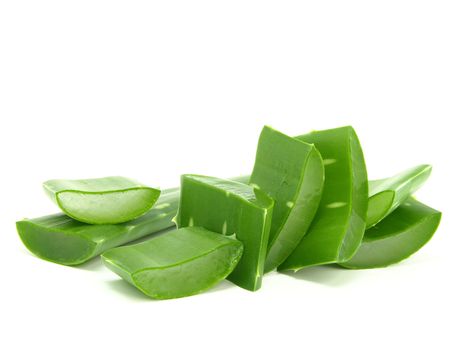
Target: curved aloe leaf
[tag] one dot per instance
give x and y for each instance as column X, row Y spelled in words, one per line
column 61, row 239
column 398, row 236
column 291, row 172
column 387, row 194
column 176, row 264
column 107, row 200
column 230, row 207
column 338, row 227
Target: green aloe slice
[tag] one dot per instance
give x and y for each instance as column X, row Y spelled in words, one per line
column 397, row 237
column 230, row 207
column 387, row 194
column 176, row 264
column 338, row 227
column 291, row 172
column 61, row 239
column 107, row 200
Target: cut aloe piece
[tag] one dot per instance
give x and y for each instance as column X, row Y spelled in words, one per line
column 230, row 207
column 61, row 239
column 176, row 264
column 397, row 237
column 338, row 227
column 291, row 172
column 387, row 194
column 107, row 200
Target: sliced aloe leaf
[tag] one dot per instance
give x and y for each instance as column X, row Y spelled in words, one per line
column 291, row 172
column 397, row 237
column 338, row 227
column 107, row 200
column 387, row 194
column 61, row 239
column 176, row 264
column 230, row 207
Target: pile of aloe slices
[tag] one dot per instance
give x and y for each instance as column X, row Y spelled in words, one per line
column 307, row 202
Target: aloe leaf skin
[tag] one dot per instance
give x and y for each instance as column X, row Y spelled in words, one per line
column 230, row 207
column 176, row 264
column 387, row 194
column 339, row 224
column 291, row 172
column 107, row 200
column 63, row 240
column 397, row 237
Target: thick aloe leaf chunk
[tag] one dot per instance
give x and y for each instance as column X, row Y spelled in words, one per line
column 397, row 237
column 61, row 239
column 176, row 264
column 387, row 194
column 291, row 172
column 339, row 224
column 107, row 200
column 230, row 207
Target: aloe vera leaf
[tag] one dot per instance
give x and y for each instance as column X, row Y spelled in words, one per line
column 291, row 172
column 107, row 200
column 339, row 224
column 61, row 239
column 176, row 264
column 398, row 236
column 230, row 207
column 387, row 194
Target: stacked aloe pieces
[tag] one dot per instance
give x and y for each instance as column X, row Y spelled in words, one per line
column 307, row 202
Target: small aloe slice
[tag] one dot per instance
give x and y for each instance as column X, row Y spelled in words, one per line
column 107, row 200
column 291, row 172
column 176, row 264
column 387, row 194
column 230, row 207
column 397, row 237
column 63, row 240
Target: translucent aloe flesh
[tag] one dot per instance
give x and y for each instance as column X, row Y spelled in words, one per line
column 291, row 172
column 339, row 224
column 387, row 194
column 230, row 207
column 108, row 200
column 176, row 264
column 61, row 239
column 397, row 237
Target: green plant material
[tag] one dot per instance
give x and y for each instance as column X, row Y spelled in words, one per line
column 291, row 172
column 61, row 239
column 339, row 224
column 397, row 237
column 387, row 194
column 107, row 200
column 230, row 207
column 176, row 264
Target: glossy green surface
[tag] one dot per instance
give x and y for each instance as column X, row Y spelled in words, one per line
column 176, row 264
column 397, row 237
column 107, row 200
column 230, row 207
column 61, row 239
column 291, row 172
column 339, row 224
column 387, row 194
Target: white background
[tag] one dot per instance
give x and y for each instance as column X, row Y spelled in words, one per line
column 154, row 89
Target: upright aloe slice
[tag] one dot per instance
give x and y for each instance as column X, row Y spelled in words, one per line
column 107, row 200
column 176, row 264
column 387, row 194
column 230, row 207
column 291, row 172
column 61, row 239
column 397, row 237
column 338, row 226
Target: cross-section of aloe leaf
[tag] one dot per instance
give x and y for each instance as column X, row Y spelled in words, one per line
column 176, row 264
column 108, row 200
